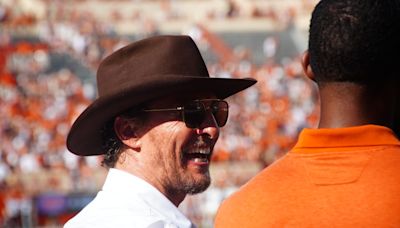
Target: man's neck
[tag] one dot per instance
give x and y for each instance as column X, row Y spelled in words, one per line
column 134, row 167
column 350, row 104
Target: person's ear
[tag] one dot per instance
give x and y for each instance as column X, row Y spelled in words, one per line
column 127, row 131
column 305, row 63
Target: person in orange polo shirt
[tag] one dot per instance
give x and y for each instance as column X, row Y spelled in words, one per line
column 345, row 173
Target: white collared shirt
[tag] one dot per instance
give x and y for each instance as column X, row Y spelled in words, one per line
column 128, row 201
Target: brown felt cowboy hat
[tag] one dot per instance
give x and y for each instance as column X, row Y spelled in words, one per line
column 140, row 72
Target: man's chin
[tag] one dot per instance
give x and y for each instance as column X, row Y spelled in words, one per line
column 199, row 186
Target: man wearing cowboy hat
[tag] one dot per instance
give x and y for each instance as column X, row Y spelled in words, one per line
column 156, row 122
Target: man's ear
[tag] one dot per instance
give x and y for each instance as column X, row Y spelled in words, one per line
column 126, row 131
column 305, row 63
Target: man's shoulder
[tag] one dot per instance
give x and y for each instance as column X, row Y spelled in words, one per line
column 251, row 191
column 106, row 212
column 270, row 175
column 115, row 219
column 239, row 208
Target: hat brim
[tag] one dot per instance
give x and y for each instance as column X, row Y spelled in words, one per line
column 85, row 136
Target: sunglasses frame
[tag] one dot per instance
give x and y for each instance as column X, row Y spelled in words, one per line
column 201, row 101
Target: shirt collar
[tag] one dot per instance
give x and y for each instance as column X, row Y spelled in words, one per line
column 121, row 181
column 366, row 135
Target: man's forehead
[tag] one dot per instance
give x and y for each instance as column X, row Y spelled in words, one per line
column 180, row 98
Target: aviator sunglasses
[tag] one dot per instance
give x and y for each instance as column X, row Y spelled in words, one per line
column 194, row 112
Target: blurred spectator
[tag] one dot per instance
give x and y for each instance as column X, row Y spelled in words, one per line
column 270, row 46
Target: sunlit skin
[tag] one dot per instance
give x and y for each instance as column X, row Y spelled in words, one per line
column 362, row 104
column 158, row 151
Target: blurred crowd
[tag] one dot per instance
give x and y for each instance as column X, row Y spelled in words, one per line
column 37, row 107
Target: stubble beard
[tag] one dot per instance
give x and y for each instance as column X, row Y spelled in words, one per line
column 197, row 186
column 180, row 180
column 185, row 182
column 189, row 183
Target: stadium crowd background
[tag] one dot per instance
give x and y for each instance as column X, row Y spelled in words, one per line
column 49, row 52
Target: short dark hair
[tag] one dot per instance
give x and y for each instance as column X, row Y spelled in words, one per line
column 112, row 145
column 354, row 40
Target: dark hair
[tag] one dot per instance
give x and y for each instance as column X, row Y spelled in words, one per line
column 354, row 40
column 112, row 145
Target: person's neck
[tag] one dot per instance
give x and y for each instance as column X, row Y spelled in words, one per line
column 350, row 104
column 140, row 170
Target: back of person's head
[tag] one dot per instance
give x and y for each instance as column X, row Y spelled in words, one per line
column 355, row 40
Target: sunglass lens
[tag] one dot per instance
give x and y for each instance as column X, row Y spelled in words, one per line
column 220, row 111
column 194, row 114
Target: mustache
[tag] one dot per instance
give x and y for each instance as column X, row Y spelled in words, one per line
column 203, row 140
column 200, row 142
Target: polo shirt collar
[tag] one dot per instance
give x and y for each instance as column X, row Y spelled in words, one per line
column 359, row 136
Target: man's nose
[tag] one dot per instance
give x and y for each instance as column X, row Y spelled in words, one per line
column 209, row 126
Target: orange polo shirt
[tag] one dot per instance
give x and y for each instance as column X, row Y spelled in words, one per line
column 347, row 177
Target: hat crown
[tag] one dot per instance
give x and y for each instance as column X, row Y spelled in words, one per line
column 158, row 56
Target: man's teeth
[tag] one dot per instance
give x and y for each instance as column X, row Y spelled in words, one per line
column 200, row 160
column 199, row 154
column 206, row 151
